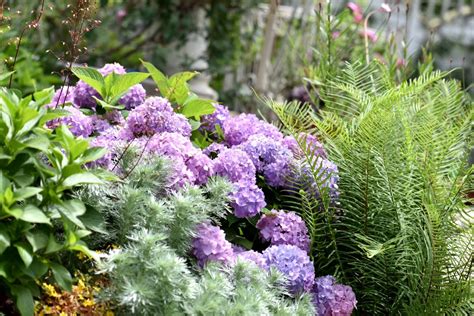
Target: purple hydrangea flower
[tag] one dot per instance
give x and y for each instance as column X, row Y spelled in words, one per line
column 310, row 144
column 84, row 95
column 61, row 96
column 114, row 117
column 333, row 299
column 327, row 176
column 214, row 149
column 253, row 256
column 239, row 128
column 235, row 165
column 270, row 157
column 284, row 228
column 99, row 124
column 201, row 166
column 110, row 140
column 134, row 97
column 79, row 124
column 210, row 245
column 171, row 145
column 107, row 69
column 181, row 175
column 294, row 264
column 220, row 115
column 247, row 199
column 156, row 115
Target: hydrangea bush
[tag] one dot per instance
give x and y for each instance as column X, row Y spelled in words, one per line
column 251, row 155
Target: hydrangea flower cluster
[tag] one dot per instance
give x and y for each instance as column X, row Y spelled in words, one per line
column 333, row 299
column 270, row 157
column 235, row 165
column 253, row 256
column 238, row 129
column 282, row 228
column 209, row 122
column 211, row 245
column 294, row 263
column 247, row 199
column 156, row 115
column 79, row 124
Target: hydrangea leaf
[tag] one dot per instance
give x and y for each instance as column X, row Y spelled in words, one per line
column 197, row 108
column 92, row 77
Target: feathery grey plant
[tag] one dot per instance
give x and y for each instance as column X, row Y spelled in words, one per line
column 152, row 274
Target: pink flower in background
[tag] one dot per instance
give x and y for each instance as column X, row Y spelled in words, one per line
column 385, row 8
column 370, row 33
column 336, row 34
column 120, row 15
column 356, row 11
column 401, row 62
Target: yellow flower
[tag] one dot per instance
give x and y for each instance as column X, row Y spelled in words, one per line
column 63, row 314
column 88, row 303
column 109, row 313
column 50, row 290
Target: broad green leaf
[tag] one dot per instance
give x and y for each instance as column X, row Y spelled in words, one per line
column 198, row 107
column 62, row 276
column 194, row 124
column 4, row 241
column 82, row 178
column 179, row 90
column 32, row 214
column 25, row 253
column 107, row 106
column 53, row 245
column 53, row 114
column 24, row 300
column 38, row 240
column 24, row 193
column 79, row 148
column 39, row 142
column 93, row 154
column 122, row 83
column 93, row 220
column 80, row 246
column 183, row 76
column 159, row 78
column 92, row 77
column 44, row 96
column 4, row 182
column 71, row 209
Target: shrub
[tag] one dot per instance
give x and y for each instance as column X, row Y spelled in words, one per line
column 38, row 218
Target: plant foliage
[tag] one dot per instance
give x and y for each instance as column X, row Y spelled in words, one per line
column 401, row 234
column 38, row 218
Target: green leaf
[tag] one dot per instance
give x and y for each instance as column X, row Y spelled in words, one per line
column 92, row 77
column 25, row 253
column 62, row 276
column 82, row 178
column 72, row 209
column 197, row 108
column 32, row 214
column 93, row 154
column 4, row 241
column 40, row 142
column 106, row 106
column 79, row 148
column 122, row 83
column 38, row 240
column 179, row 91
column 24, row 193
column 159, row 78
column 44, row 96
column 53, row 245
column 4, row 182
column 24, row 300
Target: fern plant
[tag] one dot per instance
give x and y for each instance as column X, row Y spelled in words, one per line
column 401, row 234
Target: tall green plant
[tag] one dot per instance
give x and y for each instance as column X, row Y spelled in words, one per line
column 38, row 219
column 401, row 234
